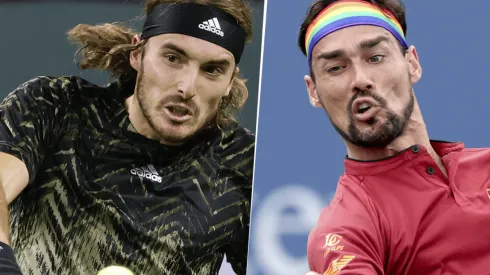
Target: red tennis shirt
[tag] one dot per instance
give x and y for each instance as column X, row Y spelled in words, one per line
column 403, row 216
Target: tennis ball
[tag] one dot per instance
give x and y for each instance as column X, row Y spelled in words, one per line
column 115, row 270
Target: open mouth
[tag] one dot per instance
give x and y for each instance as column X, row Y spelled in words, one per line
column 178, row 111
column 363, row 107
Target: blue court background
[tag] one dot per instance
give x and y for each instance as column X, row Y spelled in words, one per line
column 300, row 156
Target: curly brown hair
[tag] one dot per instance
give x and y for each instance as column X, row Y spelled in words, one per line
column 107, row 47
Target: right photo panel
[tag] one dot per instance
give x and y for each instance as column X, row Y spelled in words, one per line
column 372, row 142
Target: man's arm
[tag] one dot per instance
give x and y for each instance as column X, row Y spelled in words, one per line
column 10, row 167
column 31, row 121
column 236, row 254
column 237, row 251
column 238, row 156
column 348, row 239
column 13, row 176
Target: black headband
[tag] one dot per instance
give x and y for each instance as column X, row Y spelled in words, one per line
column 201, row 21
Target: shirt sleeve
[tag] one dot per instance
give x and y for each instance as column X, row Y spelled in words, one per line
column 238, row 158
column 348, row 238
column 236, row 253
column 32, row 119
column 8, row 262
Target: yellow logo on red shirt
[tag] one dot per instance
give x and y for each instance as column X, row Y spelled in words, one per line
column 332, row 239
column 488, row 192
column 338, row 264
column 332, row 242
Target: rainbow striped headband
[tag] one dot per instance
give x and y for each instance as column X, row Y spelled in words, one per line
column 346, row 13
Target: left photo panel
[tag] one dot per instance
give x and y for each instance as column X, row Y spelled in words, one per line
column 127, row 135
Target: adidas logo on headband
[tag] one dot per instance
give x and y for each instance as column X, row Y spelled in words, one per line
column 212, row 25
column 188, row 19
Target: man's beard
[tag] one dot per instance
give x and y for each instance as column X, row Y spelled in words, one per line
column 146, row 107
column 387, row 132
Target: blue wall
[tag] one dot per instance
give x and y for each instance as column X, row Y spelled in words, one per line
column 300, row 156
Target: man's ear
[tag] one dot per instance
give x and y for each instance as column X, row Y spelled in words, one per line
column 414, row 67
column 239, row 87
column 135, row 55
column 312, row 94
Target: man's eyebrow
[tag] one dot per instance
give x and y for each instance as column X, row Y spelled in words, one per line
column 225, row 62
column 366, row 44
column 331, row 55
column 172, row 46
column 371, row 43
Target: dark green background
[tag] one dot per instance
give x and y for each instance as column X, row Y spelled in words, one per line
column 33, row 42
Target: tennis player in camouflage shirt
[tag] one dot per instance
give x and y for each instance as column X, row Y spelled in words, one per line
column 151, row 172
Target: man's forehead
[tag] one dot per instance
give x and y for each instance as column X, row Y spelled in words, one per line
column 190, row 45
column 351, row 37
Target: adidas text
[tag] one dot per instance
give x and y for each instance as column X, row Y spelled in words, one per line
column 148, row 175
column 211, row 29
column 212, row 25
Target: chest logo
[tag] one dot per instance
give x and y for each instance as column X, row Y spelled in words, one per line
column 147, row 171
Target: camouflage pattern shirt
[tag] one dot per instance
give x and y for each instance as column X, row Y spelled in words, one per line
column 100, row 194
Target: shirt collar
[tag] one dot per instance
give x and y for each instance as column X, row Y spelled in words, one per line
column 364, row 168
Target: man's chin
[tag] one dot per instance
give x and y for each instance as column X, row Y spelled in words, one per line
column 373, row 144
column 175, row 134
column 370, row 138
column 378, row 139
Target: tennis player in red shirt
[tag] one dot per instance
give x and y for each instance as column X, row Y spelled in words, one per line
column 405, row 204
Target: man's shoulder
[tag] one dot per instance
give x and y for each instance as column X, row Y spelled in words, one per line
column 238, row 129
column 475, row 158
column 235, row 145
column 64, row 82
column 350, row 205
column 472, row 156
column 477, row 152
column 57, row 86
column 235, row 136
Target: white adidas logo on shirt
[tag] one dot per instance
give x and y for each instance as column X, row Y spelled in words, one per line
column 147, row 171
column 212, row 25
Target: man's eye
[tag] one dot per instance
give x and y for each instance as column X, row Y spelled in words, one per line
column 171, row 58
column 335, row 69
column 376, row 59
column 213, row 70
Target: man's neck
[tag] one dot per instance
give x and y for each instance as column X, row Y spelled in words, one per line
column 415, row 133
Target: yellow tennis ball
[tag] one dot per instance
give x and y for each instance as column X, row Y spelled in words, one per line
column 115, row 270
